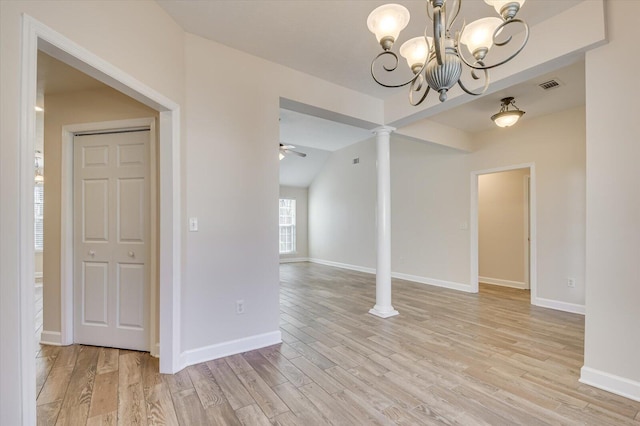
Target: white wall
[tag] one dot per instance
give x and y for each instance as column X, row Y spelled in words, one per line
column 430, row 204
column 556, row 144
column 502, row 209
column 342, row 203
column 302, row 215
column 612, row 333
column 231, row 170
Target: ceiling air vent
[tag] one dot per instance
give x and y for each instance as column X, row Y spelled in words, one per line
column 550, row 84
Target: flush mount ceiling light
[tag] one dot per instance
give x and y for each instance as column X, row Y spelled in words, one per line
column 436, row 62
column 507, row 117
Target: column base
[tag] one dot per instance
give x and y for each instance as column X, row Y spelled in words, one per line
column 383, row 314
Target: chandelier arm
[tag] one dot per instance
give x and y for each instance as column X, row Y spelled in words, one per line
column 480, row 65
column 452, row 18
column 503, row 25
column 475, row 77
column 413, row 89
column 429, row 11
column 438, row 36
column 390, row 69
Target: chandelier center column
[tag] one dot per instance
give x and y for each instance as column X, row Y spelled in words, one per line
column 383, row 306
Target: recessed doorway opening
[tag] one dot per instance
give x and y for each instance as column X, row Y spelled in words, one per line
column 503, row 244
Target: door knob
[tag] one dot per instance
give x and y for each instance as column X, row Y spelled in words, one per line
column 131, row 254
column 92, row 253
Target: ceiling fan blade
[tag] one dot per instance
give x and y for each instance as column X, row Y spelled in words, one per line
column 299, row 154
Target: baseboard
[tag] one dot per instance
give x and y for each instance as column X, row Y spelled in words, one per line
column 293, row 259
column 414, row 278
column 559, row 306
column 220, row 350
column 610, row 383
column 503, row 283
column 432, row 281
column 343, row 265
column 53, row 338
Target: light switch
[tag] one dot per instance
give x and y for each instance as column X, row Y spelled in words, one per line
column 193, row 224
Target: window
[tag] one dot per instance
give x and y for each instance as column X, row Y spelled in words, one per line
column 287, row 226
column 38, row 210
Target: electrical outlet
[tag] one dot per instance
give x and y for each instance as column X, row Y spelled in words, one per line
column 571, row 282
column 239, row 307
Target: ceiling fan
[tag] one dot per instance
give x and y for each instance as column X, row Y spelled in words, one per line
column 288, row 149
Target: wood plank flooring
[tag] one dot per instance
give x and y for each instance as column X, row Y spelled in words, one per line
column 448, row 358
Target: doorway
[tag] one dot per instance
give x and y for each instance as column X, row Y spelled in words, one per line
column 503, row 223
column 37, row 36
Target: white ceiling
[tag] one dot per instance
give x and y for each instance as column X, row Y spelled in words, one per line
column 330, row 40
column 317, row 138
column 314, row 132
column 325, row 38
column 299, row 171
column 475, row 116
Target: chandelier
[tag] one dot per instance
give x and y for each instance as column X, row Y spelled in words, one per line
column 437, row 62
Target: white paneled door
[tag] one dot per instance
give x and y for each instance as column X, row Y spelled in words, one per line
column 111, row 239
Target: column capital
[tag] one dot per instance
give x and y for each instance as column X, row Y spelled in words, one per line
column 383, row 130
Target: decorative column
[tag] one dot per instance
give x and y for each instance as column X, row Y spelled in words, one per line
column 383, row 306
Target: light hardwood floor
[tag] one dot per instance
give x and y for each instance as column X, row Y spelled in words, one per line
column 449, row 358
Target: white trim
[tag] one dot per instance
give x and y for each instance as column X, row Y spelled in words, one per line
column 381, row 314
column 399, row 275
column 26, row 255
column 343, row 265
column 36, row 35
column 53, row 338
column 527, row 211
column 473, row 221
column 559, row 305
column 154, row 345
column 293, row 259
column 66, row 220
column 503, row 283
column 610, row 383
column 433, row 281
column 220, row 350
column 37, row 275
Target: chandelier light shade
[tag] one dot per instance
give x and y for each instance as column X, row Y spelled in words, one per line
column 479, row 35
column 507, row 117
column 386, row 22
column 506, row 8
column 437, row 61
column 416, row 51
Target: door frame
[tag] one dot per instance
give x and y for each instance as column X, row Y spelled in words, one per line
column 37, row 36
column 527, row 234
column 473, row 220
column 66, row 223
